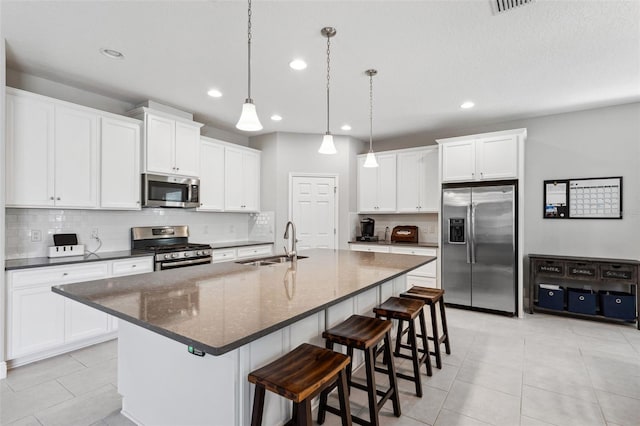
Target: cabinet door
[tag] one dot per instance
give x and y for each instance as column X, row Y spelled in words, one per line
column 369, row 247
column 120, row 164
column 76, row 158
column 160, row 144
column 409, row 181
column 251, row 181
column 29, row 152
column 37, row 320
column 82, row 321
column 458, row 161
column 187, row 150
column 211, row 176
column 497, row 157
column 386, row 183
column 430, row 189
column 367, row 187
column 233, row 180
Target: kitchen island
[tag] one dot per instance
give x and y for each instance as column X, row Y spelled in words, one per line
column 241, row 317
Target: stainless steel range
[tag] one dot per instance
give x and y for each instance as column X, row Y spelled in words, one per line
column 171, row 246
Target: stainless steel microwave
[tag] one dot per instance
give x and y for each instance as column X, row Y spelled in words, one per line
column 170, row 191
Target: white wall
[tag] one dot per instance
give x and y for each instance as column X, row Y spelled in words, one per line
column 284, row 153
column 3, row 367
column 592, row 143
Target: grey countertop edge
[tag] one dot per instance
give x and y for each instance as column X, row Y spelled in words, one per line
column 216, row 351
column 41, row 262
column 390, row 244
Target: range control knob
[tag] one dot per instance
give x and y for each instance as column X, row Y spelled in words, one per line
column 174, row 255
column 187, row 254
column 199, row 253
column 167, row 256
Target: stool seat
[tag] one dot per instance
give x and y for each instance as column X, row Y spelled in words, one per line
column 358, row 331
column 300, row 373
column 426, row 294
column 397, row 308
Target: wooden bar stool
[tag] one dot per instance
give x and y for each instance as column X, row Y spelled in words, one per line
column 430, row 296
column 404, row 309
column 364, row 333
column 299, row 376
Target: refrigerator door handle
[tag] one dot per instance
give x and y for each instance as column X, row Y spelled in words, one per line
column 472, row 242
column 469, row 233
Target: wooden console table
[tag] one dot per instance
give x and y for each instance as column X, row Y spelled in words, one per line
column 582, row 272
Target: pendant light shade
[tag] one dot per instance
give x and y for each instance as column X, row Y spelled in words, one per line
column 370, row 161
column 328, row 147
column 249, row 120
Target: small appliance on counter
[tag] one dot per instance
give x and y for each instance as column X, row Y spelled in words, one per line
column 367, row 226
column 404, row 234
column 66, row 245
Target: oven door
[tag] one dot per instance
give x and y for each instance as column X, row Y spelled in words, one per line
column 169, row 191
column 172, row 264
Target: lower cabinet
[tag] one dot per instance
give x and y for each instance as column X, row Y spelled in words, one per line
column 41, row 323
column 233, row 253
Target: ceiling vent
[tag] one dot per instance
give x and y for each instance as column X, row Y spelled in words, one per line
column 500, row 6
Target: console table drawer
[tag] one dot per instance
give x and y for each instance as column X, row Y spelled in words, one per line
column 582, row 270
column 618, row 272
column 550, row 267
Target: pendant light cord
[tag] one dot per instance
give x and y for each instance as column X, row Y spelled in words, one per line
column 249, row 51
column 371, row 112
column 328, row 77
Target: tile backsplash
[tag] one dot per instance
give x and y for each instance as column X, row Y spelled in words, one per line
column 113, row 227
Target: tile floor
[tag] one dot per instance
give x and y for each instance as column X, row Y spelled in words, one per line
column 540, row 370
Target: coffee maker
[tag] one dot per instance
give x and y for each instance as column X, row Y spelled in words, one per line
column 367, row 226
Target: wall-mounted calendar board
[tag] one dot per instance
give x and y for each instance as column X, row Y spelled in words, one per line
column 590, row 198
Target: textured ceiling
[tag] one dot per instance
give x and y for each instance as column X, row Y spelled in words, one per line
column 546, row 57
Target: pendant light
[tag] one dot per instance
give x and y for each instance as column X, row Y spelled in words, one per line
column 249, row 120
column 327, row 146
column 370, row 161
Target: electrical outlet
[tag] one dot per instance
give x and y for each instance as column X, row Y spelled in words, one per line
column 94, row 233
column 36, row 235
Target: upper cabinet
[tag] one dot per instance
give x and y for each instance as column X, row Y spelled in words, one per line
column 119, row 163
column 377, row 185
column 418, row 189
column 171, row 145
column 211, row 175
column 489, row 156
column 242, row 179
column 52, row 152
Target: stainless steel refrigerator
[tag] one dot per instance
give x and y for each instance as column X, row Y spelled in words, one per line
column 479, row 240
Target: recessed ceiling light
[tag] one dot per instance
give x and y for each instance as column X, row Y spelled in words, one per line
column 298, row 64
column 276, row 117
column 214, row 93
column 467, row 105
column 345, row 127
column 110, row 53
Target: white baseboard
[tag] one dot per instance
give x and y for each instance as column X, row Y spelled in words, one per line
column 3, row 370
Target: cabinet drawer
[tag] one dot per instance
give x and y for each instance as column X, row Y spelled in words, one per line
column 428, row 270
column 418, row 251
column 254, row 251
column 137, row 265
column 371, row 248
column 619, row 272
column 421, row 281
column 550, row 268
column 223, row 255
column 582, row 270
column 58, row 275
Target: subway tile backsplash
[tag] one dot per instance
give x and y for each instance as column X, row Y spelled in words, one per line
column 114, row 227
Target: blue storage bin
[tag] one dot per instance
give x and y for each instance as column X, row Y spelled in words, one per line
column 581, row 301
column 618, row 304
column 551, row 298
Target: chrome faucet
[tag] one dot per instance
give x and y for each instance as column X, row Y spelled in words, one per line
column 293, row 255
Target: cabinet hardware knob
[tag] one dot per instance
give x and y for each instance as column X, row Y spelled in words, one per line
column 58, row 198
column 133, row 266
column 137, row 202
column 177, row 168
column 64, row 274
column 51, row 198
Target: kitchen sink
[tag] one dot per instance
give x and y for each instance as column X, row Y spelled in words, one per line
column 271, row 260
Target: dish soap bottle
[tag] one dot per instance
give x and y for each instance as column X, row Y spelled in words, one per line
column 386, row 234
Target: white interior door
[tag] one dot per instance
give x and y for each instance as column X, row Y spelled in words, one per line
column 314, row 211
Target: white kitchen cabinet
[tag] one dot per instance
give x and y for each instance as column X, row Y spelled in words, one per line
column 377, row 185
column 119, row 163
column 52, row 153
column 254, row 251
column 369, row 247
column 223, row 255
column 212, row 175
column 417, row 187
column 242, row 179
column 428, row 270
column 171, row 144
column 42, row 323
column 490, row 156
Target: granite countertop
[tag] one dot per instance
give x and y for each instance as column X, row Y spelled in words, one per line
column 220, row 307
column 388, row 243
column 37, row 262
